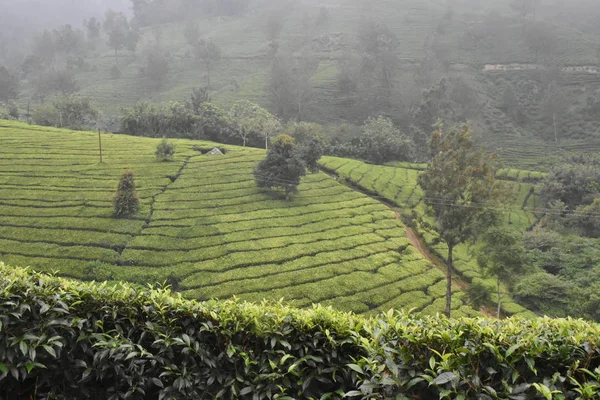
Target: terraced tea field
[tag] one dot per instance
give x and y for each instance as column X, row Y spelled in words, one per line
column 204, row 227
column 398, row 185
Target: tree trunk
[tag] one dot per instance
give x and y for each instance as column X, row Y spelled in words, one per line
column 266, row 142
column 499, row 299
column 449, row 281
column 555, row 130
column 244, row 137
column 208, row 77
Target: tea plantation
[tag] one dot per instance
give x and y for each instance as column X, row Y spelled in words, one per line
column 398, row 185
column 65, row 339
column 205, row 228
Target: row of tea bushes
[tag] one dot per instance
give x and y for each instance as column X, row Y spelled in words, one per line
column 64, row 339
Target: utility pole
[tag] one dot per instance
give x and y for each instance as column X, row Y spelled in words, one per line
column 100, row 144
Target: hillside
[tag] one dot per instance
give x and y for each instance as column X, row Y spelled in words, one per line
column 204, row 227
column 531, row 99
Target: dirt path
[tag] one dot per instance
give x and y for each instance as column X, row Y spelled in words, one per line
column 419, row 244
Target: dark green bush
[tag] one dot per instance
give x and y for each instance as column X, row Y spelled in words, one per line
column 165, row 150
column 62, row 339
column 126, row 201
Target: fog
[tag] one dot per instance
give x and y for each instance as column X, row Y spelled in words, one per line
column 50, row 13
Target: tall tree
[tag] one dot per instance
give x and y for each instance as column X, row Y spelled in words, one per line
column 435, row 105
column 502, row 255
column 68, row 41
column 92, row 29
column 44, row 48
column 378, row 46
column 198, row 97
column 458, row 185
column 9, row 85
column 282, row 168
column 382, row 141
column 76, row 112
column 191, row 33
column 274, row 27
column 155, row 71
column 210, row 54
column 310, row 138
column 554, row 105
column 248, row 119
column 289, row 84
column 120, row 33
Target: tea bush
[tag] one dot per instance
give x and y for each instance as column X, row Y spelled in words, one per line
column 63, row 339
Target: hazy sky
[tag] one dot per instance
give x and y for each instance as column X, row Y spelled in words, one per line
column 50, row 13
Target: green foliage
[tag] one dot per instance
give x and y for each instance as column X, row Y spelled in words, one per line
column 76, row 112
column 126, row 202
column 198, row 97
column 458, row 187
column 546, row 293
column 46, row 115
column 214, row 122
column 203, row 223
column 502, row 256
column 283, row 168
column 479, row 295
column 575, row 182
column 249, row 119
column 382, row 142
column 155, row 71
column 9, row 85
column 67, row 111
column 65, row 339
column 165, row 150
column 120, row 32
column 311, row 142
column 9, row 111
column 158, row 120
column 573, row 264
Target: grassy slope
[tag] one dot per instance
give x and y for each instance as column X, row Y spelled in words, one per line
column 242, row 71
column 204, row 225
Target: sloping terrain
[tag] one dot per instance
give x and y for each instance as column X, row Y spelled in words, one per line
column 203, row 225
column 550, row 58
column 398, row 186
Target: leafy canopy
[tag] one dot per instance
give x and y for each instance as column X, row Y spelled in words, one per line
column 283, row 168
column 248, row 118
column 459, row 185
column 502, row 256
column 383, row 142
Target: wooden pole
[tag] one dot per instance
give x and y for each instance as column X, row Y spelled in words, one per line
column 100, row 144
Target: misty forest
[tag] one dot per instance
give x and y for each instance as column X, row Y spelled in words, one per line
column 310, row 199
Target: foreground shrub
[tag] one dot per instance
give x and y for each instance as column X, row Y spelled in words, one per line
column 63, row 339
column 126, row 201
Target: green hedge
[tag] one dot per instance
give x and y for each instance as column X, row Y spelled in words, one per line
column 63, row 339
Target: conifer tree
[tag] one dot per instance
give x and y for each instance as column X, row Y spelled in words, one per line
column 126, row 201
